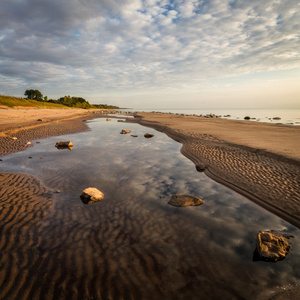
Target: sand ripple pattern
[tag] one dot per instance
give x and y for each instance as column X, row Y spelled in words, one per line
column 252, row 172
column 24, row 202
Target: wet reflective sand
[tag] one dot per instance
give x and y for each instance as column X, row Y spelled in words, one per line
column 132, row 244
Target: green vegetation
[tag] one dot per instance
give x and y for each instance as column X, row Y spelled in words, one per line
column 35, row 99
column 34, row 95
column 14, row 101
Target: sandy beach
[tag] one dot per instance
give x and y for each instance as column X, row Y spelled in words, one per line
column 259, row 160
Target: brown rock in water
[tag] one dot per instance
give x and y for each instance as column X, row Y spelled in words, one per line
column 125, row 131
column 64, row 145
column 108, row 119
column 272, row 246
column 148, row 135
column 182, row 200
column 91, row 195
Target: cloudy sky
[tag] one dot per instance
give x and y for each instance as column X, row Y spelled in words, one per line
column 154, row 54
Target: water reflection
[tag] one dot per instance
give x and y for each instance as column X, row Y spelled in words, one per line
column 133, row 244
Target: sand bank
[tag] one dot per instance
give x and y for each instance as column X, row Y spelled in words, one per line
column 259, row 160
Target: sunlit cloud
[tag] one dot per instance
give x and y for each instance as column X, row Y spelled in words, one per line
column 114, row 48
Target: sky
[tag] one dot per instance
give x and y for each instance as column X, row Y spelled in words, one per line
column 154, row 54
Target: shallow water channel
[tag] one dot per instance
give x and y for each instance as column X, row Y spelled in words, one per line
column 132, row 244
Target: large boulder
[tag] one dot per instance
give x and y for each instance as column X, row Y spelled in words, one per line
column 91, row 195
column 182, row 200
column 272, row 246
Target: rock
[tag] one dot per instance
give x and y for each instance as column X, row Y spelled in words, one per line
column 108, row 119
column 120, row 121
column 200, row 168
column 28, row 143
column 64, row 145
column 182, row 200
column 148, row 135
column 37, row 142
column 247, row 118
column 14, row 138
column 276, row 118
column 272, row 246
column 40, row 120
column 125, row 131
column 134, row 135
column 91, row 195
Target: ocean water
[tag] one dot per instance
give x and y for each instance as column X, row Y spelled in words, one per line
column 133, row 244
column 287, row 116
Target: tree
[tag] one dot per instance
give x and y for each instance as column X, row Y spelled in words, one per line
column 34, row 95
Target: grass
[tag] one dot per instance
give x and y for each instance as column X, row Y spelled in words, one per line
column 10, row 101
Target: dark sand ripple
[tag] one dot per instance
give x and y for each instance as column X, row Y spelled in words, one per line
column 24, row 202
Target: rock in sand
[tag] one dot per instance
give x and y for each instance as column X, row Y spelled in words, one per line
column 91, row 195
column 182, row 200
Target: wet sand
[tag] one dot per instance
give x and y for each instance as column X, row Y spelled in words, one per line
column 39, row 252
column 259, row 160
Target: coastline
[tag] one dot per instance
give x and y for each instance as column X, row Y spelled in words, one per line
column 260, row 161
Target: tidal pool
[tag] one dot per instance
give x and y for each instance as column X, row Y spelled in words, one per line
column 132, row 244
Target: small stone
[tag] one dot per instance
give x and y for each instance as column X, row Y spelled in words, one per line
column 41, row 157
column 91, row 195
column 40, row 120
column 108, row 119
column 134, row 135
column 30, row 157
column 37, row 142
column 148, row 135
column 125, row 131
column 58, row 191
column 14, row 138
column 183, row 200
column 64, row 145
column 28, row 143
column 120, row 121
column 247, row 118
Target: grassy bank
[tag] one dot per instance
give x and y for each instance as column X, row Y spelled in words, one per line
column 14, row 101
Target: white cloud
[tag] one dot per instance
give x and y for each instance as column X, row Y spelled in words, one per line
column 144, row 45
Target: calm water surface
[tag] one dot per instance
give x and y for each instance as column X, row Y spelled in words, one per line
column 132, row 244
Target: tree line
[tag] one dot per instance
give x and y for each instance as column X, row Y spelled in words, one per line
column 69, row 101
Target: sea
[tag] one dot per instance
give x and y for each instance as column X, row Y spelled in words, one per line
column 270, row 115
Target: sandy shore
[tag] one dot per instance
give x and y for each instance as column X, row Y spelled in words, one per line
column 259, row 160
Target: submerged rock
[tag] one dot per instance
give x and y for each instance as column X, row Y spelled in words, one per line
column 91, row 195
column 148, row 135
column 182, row 200
column 272, row 246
